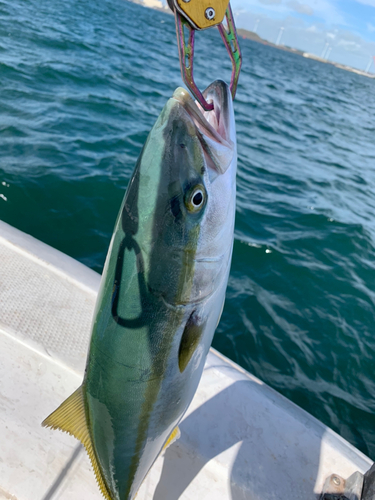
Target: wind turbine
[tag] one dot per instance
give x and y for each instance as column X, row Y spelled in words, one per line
column 280, row 35
column 324, row 50
column 372, row 59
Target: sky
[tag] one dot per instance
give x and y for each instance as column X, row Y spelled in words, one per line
column 342, row 31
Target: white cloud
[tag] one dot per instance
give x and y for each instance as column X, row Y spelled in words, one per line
column 348, row 45
column 328, row 11
column 296, row 22
column 301, row 8
column 270, row 2
column 367, row 2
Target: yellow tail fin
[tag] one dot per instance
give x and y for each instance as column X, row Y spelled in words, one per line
column 70, row 417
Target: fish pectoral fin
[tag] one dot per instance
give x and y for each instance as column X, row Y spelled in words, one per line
column 190, row 339
column 70, row 417
column 175, row 434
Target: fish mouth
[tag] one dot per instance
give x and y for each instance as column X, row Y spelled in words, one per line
column 215, row 129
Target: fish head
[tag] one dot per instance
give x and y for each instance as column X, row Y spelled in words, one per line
column 186, row 196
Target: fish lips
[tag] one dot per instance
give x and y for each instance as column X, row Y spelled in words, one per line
column 215, row 129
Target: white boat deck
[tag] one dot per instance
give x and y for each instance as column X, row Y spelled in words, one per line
column 240, row 439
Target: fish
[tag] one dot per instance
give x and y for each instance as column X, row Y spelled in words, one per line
column 162, row 293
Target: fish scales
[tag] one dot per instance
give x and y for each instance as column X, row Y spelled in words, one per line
column 161, row 294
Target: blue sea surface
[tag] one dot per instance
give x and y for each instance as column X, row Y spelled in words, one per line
column 82, row 83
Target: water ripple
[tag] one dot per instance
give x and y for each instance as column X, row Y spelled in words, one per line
column 82, row 83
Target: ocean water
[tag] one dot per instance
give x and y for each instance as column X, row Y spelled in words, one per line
column 82, row 83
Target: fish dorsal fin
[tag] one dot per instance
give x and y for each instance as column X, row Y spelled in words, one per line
column 70, row 417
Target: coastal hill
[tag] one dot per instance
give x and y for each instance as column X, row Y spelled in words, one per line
column 250, row 35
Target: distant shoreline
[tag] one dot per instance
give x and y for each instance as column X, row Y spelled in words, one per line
column 250, row 35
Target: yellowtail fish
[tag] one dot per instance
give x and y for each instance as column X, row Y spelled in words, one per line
column 161, row 294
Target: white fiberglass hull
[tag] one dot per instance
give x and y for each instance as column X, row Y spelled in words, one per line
column 239, row 439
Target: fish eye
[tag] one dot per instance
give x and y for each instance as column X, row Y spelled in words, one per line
column 195, row 198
